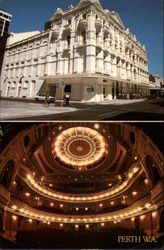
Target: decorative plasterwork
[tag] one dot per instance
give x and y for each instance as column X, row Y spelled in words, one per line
column 80, row 147
column 132, row 175
column 141, row 207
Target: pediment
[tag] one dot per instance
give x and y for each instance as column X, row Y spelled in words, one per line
column 116, row 16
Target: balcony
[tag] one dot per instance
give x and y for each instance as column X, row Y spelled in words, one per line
column 106, row 30
column 98, row 25
column 66, row 47
column 81, row 44
column 67, row 29
column 55, row 33
column 83, row 24
column 4, row 195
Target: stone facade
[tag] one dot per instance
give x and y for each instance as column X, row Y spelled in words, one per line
column 87, row 48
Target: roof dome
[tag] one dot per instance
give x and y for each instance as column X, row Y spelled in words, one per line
column 92, row 1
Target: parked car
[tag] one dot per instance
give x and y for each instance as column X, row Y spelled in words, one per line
column 42, row 98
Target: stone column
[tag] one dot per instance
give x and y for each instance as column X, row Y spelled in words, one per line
column 109, row 89
column 108, row 64
column 91, row 48
column 77, row 68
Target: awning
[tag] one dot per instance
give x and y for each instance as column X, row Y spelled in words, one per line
column 87, row 79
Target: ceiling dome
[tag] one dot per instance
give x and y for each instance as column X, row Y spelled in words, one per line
column 80, row 147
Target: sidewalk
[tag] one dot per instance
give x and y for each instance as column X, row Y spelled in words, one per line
column 121, row 101
column 58, row 102
column 11, row 110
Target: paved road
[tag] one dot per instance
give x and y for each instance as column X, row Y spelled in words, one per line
column 148, row 110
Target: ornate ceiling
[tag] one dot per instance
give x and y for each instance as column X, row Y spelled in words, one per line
column 80, row 147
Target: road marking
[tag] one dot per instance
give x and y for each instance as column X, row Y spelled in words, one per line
column 114, row 112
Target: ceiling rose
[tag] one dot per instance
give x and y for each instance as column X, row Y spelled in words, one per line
column 80, row 147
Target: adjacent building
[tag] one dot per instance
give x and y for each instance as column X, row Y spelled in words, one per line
column 87, row 48
column 5, row 19
column 156, row 86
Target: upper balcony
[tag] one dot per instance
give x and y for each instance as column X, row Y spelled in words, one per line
column 83, row 24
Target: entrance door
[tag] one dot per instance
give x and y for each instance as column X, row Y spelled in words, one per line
column 8, row 90
column 104, row 91
column 117, row 90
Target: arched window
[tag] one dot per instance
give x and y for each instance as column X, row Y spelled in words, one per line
column 13, row 85
column 25, row 85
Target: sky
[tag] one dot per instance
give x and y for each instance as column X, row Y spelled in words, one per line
column 143, row 17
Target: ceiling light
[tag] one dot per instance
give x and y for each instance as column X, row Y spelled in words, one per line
column 14, row 207
column 102, row 224
column 86, row 208
column 100, row 205
column 76, row 226
column 14, row 217
column 61, row 205
column 147, row 205
column 130, row 175
column 146, row 181
column 134, row 193
column 96, row 126
column 142, row 217
column 51, row 204
column 27, row 194
column 77, row 209
column 61, row 224
column 112, row 202
column 154, row 214
column 30, row 220
column 87, row 225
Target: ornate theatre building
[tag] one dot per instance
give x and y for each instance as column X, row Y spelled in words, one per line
column 87, row 48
